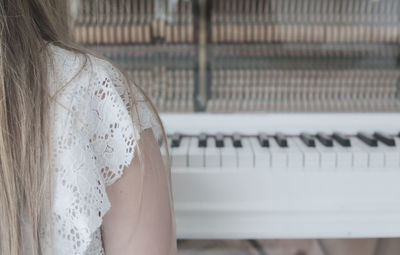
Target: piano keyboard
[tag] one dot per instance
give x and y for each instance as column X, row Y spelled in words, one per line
column 305, row 151
column 285, row 175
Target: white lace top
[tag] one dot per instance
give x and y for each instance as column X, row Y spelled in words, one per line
column 93, row 140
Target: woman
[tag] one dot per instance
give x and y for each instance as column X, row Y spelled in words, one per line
column 80, row 167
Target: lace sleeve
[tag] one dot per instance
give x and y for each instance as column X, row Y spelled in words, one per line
column 116, row 129
column 93, row 152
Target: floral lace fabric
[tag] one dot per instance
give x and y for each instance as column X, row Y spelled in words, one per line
column 93, row 140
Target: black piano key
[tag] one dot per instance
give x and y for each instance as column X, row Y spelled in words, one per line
column 176, row 139
column 367, row 139
column 341, row 139
column 307, row 139
column 237, row 140
column 385, row 138
column 281, row 140
column 203, row 140
column 263, row 139
column 219, row 140
column 325, row 139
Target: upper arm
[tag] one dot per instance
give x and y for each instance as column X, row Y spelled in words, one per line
column 150, row 229
column 115, row 135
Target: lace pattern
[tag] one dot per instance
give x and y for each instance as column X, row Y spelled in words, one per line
column 94, row 139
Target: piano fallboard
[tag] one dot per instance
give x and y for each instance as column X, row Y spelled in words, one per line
column 289, row 123
column 249, row 203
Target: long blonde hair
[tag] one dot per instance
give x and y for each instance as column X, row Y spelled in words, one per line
column 26, row 28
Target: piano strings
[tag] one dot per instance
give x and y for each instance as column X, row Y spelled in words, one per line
column 261, row 55
column 304, row 56
column 159, row 54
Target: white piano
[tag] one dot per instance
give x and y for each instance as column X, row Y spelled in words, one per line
column 268, row 175
column 285, row 175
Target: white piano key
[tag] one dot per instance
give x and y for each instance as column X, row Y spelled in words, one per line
column 245, row 154
column 196, row 153
column 228, row 154
column 344, row 156
column 361, row 154
column 311, row 155
column 262, row 155
column 376, row 157
column 180, row 154
column 294, row 155
column 278, row 155
column 328, row 157
column 392, row 154
column 212, row 154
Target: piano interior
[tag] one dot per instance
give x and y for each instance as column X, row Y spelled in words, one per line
column 282, row 115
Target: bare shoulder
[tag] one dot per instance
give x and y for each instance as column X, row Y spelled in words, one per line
column 147, row 227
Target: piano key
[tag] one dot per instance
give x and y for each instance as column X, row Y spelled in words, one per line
column 262, row 155
column 237, row 141
column 263, row 139
column 179, row 155
column 203, row 140
column 376, row 158
column 307, row 139
column 212, row 154
column 296, row 154
column 176, row 139
column 367, row 139
column 196, row 153
column 228, row 154
column 325, row 139
column 341, row 139
column 360, row 155
column 392, row 156
column 385, row 138
column 393, row 160
column 281, row 140
column 219, row 140
column 344, row 156
column 245, row 154
column 328, row 157
column 311, row 155
column 278, row 155
column 295, row 157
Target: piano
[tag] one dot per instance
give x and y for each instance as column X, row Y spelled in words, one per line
column 283, row 117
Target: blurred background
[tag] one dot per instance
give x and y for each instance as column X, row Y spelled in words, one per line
column 282, row 117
